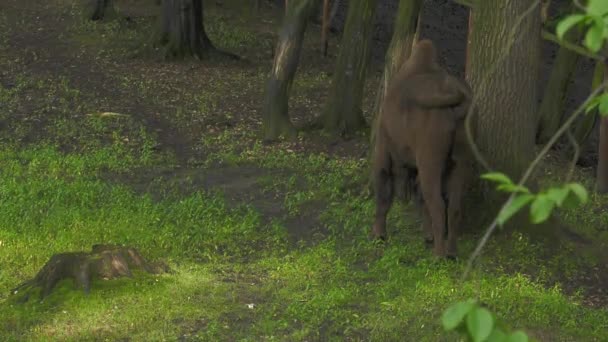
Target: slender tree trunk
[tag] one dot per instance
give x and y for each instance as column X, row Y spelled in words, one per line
column 328, row 17
column 343, row 109
column 183, row 32
column 101, row 9
column 551, row 111
column 286, row 58
column 325, row 26
column 602, row 155
column 585, row 126
column 400, row 47
column 505, row 122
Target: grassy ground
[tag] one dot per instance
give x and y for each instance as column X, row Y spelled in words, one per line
column 267, row 242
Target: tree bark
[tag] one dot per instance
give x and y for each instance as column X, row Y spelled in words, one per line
column 400, row 47
column 602, row 157
column 587, row 123
column 505, row 123
column 325, row 26
column 343, row 109
column 101, row 9
column 276, row 121
column 551, row 111
column 183, row 32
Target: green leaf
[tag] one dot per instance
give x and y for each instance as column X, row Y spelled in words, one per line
column 603, row 108
column 593, row 103
column 594, row 39
column 480, row 323
column 541, row 208
column 497, row 335
column 558, row 195
column 597, row 7
column 516, row 204
column 453, row 316
column 579, row 191
column 518, row 336
column 565, row 24
column 497, row 177
column 512, row 188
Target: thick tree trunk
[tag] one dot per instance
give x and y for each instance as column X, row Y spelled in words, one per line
column 551, row 111
column 343, row 109
column 602, row 155
column 183, row 32
column 505, row 123
column 101, row 9
column 286, row 58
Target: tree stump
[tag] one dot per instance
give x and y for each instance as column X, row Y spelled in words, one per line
column 104, row 261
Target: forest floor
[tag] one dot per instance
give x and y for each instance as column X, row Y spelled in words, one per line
column 104, row 142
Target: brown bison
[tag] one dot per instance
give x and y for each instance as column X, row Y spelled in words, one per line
column 421, row 135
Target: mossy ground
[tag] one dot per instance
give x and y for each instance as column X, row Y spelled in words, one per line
column 269, row 242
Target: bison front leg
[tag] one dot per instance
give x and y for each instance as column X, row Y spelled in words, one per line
column 383, row 188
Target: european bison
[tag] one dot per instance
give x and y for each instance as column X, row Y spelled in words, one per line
column 421, row 135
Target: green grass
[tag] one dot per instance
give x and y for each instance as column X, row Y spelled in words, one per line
column 69, row 180
column 225, row 259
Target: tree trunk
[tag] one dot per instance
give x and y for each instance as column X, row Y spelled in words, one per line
column 101, row 9
column 325, row 26
column 505, row 123
column 468, row 47
column 183, row 32
column 286, row 58
column 328, row 17
column 343, row 109
column 551, row 111
column 334, row 10
column 587, row 123
column 400, row 47
column 602, row 154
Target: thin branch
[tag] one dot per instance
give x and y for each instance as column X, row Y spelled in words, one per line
column 527, row 175
column 570, row 46
column 579, row 5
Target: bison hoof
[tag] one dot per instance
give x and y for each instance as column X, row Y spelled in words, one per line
column 376, row 237
column 378, row 233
